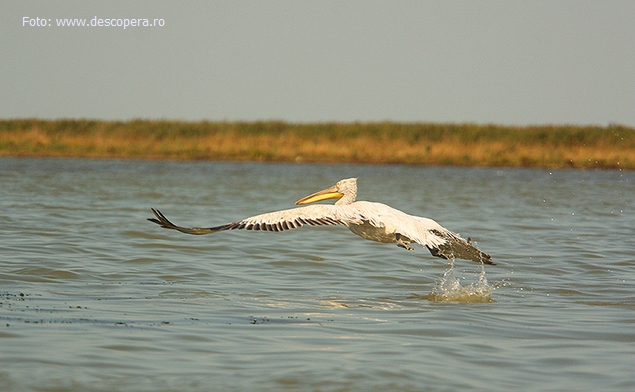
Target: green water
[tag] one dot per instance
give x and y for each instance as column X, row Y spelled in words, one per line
column 93, row 297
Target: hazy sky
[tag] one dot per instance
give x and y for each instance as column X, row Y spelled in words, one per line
column 504, row 62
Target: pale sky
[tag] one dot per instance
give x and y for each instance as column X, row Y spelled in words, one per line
column 502, row 62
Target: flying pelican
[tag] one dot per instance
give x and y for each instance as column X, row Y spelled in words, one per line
column 369, row 220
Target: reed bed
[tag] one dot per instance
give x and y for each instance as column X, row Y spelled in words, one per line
column 553, row 146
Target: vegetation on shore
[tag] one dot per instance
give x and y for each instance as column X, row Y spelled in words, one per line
column 554, row 146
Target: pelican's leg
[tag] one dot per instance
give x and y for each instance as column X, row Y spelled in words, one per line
column 401, row 243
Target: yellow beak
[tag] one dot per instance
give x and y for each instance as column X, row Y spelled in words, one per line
column 329, row 193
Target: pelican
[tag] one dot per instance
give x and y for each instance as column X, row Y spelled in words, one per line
column 369, row 220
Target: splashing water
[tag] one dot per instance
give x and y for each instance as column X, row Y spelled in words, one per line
column 450, row 289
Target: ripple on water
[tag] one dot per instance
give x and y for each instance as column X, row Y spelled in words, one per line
column 40, row 274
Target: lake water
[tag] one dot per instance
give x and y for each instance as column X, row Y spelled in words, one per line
column 93, row 297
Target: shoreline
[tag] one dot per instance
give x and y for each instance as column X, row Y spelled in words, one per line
column 547, row 146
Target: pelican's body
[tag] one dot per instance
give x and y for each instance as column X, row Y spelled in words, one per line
column 369, row 220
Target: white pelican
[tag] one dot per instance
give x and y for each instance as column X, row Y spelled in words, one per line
column 372, row 221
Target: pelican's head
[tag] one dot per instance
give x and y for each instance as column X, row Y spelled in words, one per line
column 344, row 190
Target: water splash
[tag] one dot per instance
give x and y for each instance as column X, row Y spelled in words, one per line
column 450, row 289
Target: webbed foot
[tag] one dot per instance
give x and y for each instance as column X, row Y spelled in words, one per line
column 401, row 243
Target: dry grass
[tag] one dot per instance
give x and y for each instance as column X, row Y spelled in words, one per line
column 407, row 143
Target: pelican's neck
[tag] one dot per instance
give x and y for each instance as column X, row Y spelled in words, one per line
column 348, row 188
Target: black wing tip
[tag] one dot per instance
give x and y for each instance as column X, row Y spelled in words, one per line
column 449, row 253
column 161, row 220
column 164, row 222
column 156, row 213
column 483, row 258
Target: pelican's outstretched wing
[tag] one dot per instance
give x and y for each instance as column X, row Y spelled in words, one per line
column 316, row 215
column 372, row 221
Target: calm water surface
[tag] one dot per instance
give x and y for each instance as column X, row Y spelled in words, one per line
column 93, row 297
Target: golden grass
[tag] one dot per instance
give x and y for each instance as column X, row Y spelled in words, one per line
column 378, row 143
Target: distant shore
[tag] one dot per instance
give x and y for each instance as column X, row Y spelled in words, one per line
column 549, row 146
